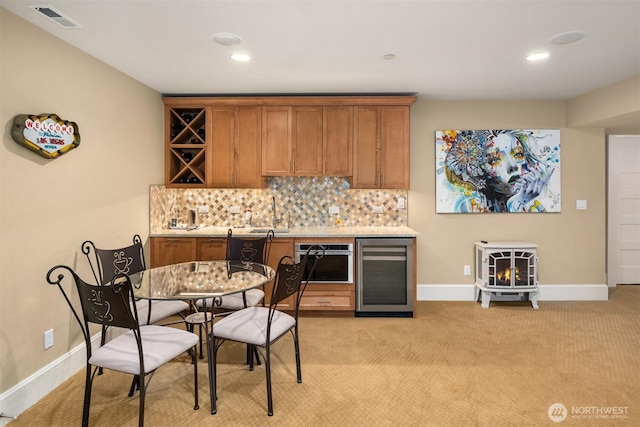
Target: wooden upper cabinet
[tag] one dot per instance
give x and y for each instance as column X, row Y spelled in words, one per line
column 276, row 141
column 366, row 152
column 307, row 141
column 381, row 147
column 292, row 141
column 235, row 147
column 222, row 139
column 394, row 147
column 337, row 137
column 238, row 142
column 248, row 148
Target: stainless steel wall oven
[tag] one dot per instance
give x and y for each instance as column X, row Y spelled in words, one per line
column 336, row 266
column 384, row 277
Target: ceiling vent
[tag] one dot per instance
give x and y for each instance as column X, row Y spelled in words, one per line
column 55, row 15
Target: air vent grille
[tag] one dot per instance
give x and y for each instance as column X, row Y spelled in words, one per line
column 55, row 15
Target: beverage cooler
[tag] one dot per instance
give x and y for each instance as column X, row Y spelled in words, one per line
column 384, row 277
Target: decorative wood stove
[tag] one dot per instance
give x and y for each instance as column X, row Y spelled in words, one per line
column 506, row 270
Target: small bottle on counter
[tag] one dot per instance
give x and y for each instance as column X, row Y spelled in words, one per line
column 247, row 218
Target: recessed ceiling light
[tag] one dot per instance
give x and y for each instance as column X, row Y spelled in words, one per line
column 240, row 57
column 537, row 56
column 226, row 39
column 568, row 37
column 389, row 56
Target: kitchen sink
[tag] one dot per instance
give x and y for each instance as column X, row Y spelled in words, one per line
column 266, row 230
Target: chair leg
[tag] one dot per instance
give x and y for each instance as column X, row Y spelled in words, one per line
column 87, row 397
column 267, row 368
column 143, row 393
column 194, row 360
column 135, row 385
column 250, row 351
column 200, row 336
column 296, row 345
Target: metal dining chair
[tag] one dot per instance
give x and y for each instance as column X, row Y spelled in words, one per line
column 260, row 327
column 106, row 263
column 140, row 351
column 244, row 250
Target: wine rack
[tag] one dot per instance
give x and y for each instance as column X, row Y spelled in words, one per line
column 186, row 154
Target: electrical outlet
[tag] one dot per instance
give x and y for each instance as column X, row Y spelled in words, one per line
column 203, row 209
column 234, row 209
column 377, row 209
column 334, row 210
column 401, row 203
column 48, row 339
column 467, row 270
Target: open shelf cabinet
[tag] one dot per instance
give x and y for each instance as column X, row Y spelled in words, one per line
column 185, row 163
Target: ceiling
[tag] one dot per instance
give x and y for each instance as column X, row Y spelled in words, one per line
column 444, row 50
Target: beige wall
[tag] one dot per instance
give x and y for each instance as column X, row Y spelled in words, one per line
column 571, row 243
column 98, row 191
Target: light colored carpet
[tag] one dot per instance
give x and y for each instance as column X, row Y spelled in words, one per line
column 456, row 364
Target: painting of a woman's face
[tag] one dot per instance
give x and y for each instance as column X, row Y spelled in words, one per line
column 505, row 161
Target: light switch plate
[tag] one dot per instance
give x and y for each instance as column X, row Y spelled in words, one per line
column 401, row 202
column 377, row 209
column 234, row 209
column 334, row 210
column 581, row 204
column 203, row 209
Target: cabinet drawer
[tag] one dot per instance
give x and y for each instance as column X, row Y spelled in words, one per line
column 322, row 300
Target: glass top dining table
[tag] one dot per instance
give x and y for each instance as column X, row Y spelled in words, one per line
column 199, row 279
column 204, row 280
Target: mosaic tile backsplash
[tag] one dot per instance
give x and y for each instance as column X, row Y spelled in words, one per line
column 305, row 199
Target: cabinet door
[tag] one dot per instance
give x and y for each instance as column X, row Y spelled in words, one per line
column 276, row 141
column 394, row 147
column 307, row 141
column 279, row 248
column 222, row 140
column 211, row 248
column 248, row 148
column 337, row 135
column 366, row 154
column 172, row 250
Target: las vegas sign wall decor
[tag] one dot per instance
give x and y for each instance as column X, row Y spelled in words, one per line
column 46, row 134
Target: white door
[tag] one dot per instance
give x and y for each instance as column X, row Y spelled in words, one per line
column 623, row 247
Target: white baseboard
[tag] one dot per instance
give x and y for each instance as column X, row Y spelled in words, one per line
column 545, row 292
column 20, row 397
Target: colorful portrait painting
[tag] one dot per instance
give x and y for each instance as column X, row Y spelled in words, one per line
column 485, row 171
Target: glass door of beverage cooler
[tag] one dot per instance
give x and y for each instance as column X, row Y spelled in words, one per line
column 384, row 283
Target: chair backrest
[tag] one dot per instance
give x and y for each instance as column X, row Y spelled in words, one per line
column 292, row 278
column 249, row 250
column 107, row 263
column 105, row 304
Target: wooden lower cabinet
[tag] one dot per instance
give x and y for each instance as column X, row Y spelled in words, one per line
column 329, row 297
column 172, row 250
column 211, row 248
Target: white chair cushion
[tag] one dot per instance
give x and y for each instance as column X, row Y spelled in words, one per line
column 235, row 301
column 159, row 309
column 249, row 325
column 160, row 344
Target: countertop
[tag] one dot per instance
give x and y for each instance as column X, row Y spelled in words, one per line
column 210, row 231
